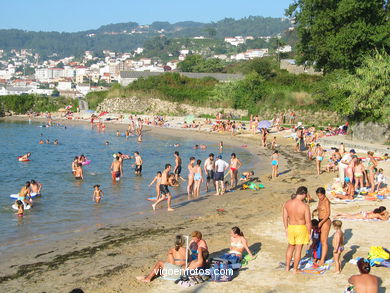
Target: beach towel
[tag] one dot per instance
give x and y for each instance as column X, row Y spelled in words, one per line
column 307, row 266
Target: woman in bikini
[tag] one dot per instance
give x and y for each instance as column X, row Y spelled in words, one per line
column 235, row 164
column 190, row 183
column 238, row 243
column 359, row 172
column 319, row 155
column 198, row 178
column 324, row 224
column 378, row 214
column 372, row 164
column 174, row 265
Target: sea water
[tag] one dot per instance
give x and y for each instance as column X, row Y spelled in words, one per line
column 66, row 205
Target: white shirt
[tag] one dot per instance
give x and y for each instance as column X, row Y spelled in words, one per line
column 347, row 158
column 381, row 179
column 220, row 165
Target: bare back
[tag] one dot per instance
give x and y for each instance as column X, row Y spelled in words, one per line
column 296, row 212
column 365, row 283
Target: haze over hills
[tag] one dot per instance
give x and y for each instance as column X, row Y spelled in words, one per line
column 122, row 37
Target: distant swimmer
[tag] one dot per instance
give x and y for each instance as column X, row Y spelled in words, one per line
column 127, row 134
column 164, row 188
column 139, row 139
column 196, row 147
column 176, row 145
column 55, row 141
column 118, row 133
column 116, row 169
column 138, row 164
column 47, row 141
column 107, row 142
column 97, row 193
column 41, row 141
column 78, row 174
column 25, row 157
column 203, row 147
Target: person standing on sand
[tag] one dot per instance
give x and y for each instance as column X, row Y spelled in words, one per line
column 235, row 164
column 319, row 155
column 324, row 224
column 297, row 224
column 190, row 184
column 164, row 188
column 219, row 175
column 345, row 160
column 209, row 170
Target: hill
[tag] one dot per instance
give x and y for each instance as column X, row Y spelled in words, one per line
column 122, row 37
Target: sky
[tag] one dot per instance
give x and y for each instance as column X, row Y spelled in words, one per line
column 79, row 15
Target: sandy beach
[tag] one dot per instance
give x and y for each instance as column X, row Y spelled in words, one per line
column 109, row 258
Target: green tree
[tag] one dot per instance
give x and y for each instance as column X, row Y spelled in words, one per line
column 60, row 65
column 337, row 34
column 365, row 95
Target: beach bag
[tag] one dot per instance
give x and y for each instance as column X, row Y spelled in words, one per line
column 220, row 271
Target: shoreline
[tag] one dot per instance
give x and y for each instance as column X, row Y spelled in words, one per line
column 120, row 253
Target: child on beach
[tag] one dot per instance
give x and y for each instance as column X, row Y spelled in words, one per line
column 380, row 180
column 273, row 143
column 97, row 193
column 157, row 180
column 359, row 172
column 246, row 175
column 20, row 211
column 316, row 246
column 275, row 163
column 338, row 244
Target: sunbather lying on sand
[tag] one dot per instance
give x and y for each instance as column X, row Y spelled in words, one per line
column 380, row 213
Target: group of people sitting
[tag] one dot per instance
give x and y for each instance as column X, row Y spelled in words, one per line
column 195, row 260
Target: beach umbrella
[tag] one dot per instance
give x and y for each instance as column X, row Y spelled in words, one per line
column 189, row 118
column 264, row 124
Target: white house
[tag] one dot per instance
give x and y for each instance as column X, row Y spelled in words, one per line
column 284, row 49
column 64, row 86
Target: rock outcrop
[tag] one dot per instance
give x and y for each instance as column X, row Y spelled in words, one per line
column 154, row 106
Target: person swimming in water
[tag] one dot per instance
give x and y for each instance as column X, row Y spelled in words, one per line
column 35, row 188
column 25, row 157
column 116, row 169
column 138, row 164
column 78, row 174
column 20, row 206
column 157, row 180
column 97, row 193
column 24, row 194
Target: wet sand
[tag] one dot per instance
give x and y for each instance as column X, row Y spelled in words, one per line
column 109, row 259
